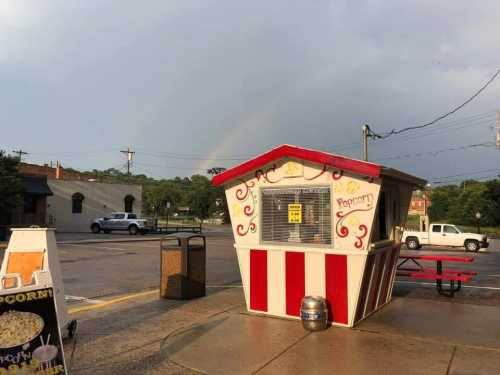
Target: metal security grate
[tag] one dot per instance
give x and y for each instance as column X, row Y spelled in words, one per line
column 300, row 215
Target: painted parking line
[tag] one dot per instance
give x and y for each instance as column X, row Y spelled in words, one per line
column 463, row 286
column 82, row 299
column 90, row 246
column 98, row 304
column 224, row 286
column 127, row 297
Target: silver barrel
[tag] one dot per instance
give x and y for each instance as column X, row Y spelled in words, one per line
column 314, row 313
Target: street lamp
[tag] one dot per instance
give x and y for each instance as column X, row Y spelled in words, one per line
column 426, row 188
column 478, row 217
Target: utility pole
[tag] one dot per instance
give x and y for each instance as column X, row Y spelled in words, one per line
column 130, row 154
column 365, row 141
column 498, row 130
column 20, row 154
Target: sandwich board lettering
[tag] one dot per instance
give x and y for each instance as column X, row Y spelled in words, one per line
column 30, row 342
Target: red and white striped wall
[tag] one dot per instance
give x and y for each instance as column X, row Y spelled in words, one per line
column 275, row 281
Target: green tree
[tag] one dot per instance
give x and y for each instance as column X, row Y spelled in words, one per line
column 459, row 204
column 11, row 189
column 442, row 200
column 493, row 195
column 220, row 196
column 202, row 197
column 156, row 196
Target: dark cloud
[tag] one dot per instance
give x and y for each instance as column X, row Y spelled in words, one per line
column 228, row 78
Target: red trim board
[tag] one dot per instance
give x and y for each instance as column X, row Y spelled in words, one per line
column 295, row 281
column 336, row 287
column 283, row 151
column 258, row 280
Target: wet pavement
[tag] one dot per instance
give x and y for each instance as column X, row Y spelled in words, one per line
column 215, row 335
column 420, row 332
column 96, row 270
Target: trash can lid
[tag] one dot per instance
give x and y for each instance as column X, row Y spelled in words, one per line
column 183, row 235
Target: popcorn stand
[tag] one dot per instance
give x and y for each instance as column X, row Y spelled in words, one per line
column 310, row 223
column 32, row 306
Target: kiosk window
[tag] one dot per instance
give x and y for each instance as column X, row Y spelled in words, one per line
column 301, row 215
column 382, row 215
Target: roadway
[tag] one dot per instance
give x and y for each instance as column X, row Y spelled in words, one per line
column 105, row 269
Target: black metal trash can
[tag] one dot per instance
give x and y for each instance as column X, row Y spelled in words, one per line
column 183, row 266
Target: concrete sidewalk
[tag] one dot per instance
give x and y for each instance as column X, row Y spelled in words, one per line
column 215, row 335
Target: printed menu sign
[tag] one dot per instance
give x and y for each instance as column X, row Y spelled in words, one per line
column 295, row 213
column 30, row 339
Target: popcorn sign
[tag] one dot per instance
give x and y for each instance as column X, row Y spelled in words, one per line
column 30, row 339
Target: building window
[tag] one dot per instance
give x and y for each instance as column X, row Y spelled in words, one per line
column 129, row 203
column 30, row 203
column 77, row 200
column 300, row 215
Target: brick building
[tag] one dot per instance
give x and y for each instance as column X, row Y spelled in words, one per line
column 69, row 200
column 420, row 202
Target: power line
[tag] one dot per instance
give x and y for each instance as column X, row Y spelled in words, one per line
column 170, row 167
column 488, row 176
column 374, row 135
column 437, row 152
column 20, row 153
column 461, row 123
column 464, row 174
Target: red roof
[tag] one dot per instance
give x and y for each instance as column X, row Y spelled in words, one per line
column 323, row 158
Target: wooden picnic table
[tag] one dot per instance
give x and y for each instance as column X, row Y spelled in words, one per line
column 418, row 271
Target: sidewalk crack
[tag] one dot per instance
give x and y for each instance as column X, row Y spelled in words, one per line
column 451, row 360
column 281, row 353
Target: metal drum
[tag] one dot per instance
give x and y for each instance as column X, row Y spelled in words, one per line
column 314, row 313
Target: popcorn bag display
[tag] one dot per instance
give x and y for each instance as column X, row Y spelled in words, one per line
column 30, row 340
column 32, row 306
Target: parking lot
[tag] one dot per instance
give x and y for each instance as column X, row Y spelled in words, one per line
column 95, row 267
column 420, row 331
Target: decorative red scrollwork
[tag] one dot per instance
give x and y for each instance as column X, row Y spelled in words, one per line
column 325, row 168
column 241, row 194
column 359, row 242
column 337, row 175
column 343, row 231
column 260, row 173
column 248, row 210
column 340, row 229
column 240, row 229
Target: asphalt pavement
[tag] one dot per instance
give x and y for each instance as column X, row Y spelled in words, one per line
column 111, row 287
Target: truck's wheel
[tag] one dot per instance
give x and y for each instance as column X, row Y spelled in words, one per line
column 472, row 246
column 412, row 244
column 95, row 228
column 133, row 230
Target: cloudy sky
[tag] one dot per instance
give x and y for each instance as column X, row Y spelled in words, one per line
column 181, row 82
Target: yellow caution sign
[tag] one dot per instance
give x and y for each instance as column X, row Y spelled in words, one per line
column 295, row 213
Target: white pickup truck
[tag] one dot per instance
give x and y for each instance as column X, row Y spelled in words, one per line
column 444, row 235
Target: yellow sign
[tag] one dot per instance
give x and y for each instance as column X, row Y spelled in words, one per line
column 295, row 213
column 293, row 169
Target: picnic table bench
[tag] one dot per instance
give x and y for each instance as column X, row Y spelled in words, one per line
column 418, row 271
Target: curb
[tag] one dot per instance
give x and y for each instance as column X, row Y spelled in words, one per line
column 109, row 240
